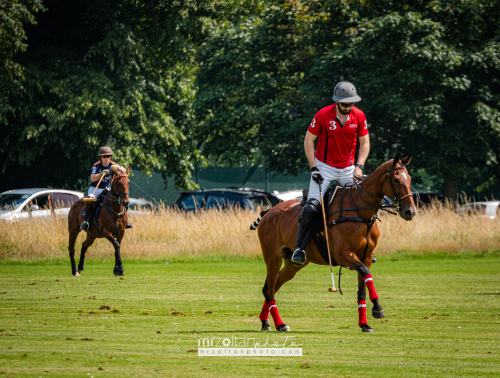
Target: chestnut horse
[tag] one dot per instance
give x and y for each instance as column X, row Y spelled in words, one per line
column 112, row 221
column 348, row 231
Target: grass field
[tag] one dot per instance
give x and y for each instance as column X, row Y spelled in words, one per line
column 442, row 319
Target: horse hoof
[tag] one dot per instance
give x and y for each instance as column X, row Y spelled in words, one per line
column 366, row 328
column 119, row 271
column 378, row 314
column 283, row 328
column 265, row 325
column 77, row 274
column 81, row 269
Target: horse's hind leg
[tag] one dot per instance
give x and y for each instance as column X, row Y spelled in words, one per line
column 85, row 245
column 73, row 235
column 275, row 279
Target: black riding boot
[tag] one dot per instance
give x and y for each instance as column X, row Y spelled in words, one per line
column 128, row 225
column 310, row 210
column 89, row 207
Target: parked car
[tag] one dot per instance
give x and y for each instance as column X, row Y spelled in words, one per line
column 223, row 198
column 141, row 206
column 486, row 210
column 427, row 198
column 39, row 202
column 289, row 195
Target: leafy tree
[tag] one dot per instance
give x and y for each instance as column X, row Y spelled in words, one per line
column 13, row 14
column 427, row 72
column 104, row 73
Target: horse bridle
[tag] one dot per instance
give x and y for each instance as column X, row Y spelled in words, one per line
column 120, row 194
column 397, row 197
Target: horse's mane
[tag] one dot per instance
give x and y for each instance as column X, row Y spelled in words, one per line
column 119, row 170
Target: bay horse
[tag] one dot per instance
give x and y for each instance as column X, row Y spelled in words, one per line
column 352, row 234
column 112, row 220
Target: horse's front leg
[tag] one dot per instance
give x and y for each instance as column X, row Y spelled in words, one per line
column 118, row 270
column 350, row 260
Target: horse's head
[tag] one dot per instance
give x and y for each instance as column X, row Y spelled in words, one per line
column 397, row 186
column 119, row 186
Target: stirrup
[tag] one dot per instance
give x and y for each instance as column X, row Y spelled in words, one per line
column 374, row 259
column 298, row 257
column 84, row 226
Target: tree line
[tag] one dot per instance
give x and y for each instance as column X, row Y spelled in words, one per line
column 171, row 84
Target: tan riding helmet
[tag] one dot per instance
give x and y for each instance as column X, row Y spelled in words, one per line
column 345, row 92
column 105, row 151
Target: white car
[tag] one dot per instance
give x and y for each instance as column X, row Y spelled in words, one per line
column 290, row 195
column 486, row 210
column 25, row 203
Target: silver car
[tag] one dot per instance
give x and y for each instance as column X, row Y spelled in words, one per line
column 25, row 203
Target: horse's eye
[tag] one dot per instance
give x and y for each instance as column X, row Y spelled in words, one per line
column 396, row 181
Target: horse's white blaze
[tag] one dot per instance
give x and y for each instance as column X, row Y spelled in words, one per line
column 404, row 176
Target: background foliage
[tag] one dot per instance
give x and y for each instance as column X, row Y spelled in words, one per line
column 427, row 72
column 165, row 82
column 103, row 73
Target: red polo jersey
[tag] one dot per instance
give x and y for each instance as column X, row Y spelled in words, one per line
column 336, row 143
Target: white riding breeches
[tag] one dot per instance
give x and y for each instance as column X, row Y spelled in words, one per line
column 342, row 176
column 97, row 191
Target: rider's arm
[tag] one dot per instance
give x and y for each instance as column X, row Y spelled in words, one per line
column 364, row 149
column 95, row 177
column 309, row 148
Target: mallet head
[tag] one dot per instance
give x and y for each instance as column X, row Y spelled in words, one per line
column 333, row 289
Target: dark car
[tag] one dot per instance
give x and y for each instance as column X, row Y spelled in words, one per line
column 427, row 198
column 224, row 198
column 141, row 206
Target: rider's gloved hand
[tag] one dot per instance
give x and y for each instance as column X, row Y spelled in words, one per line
column 316, row 175
column 105, row 172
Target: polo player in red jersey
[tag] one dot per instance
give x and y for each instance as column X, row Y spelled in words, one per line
column 338, row 127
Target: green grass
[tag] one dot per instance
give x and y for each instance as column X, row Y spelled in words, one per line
column 442, row 319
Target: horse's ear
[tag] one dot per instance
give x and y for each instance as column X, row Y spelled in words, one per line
column 128, row 170
column 406, row 160
column 396, row 160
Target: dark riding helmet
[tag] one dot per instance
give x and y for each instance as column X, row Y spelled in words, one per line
column 105, row 151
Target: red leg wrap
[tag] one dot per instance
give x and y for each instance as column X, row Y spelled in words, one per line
column 371, row 288
column 362, row 313
column 264, row 314
column 275, row 314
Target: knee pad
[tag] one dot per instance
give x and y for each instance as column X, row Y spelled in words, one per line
column 311, row 208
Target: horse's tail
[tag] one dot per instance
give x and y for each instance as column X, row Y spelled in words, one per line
column 255, row 224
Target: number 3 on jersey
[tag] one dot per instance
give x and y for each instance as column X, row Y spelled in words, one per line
column 333, row 125
column 313, row 123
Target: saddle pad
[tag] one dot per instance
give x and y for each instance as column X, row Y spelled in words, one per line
column 320, row 243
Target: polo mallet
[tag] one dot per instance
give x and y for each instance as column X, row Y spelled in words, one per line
column 332, row 289
column 91, row 198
